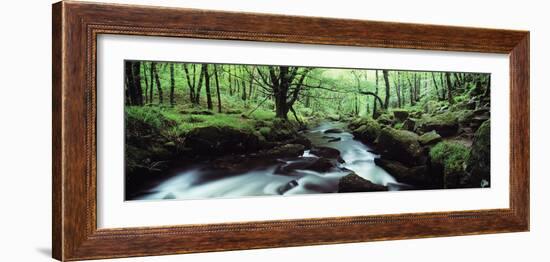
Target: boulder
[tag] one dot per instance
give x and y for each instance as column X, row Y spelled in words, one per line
column 355, row 183
column 409, row 124
column 368, row 132
column 478, row 164
column 429, row 138
column 317, row 164
column 288, row 150
column 327, row 152
column 450, row 157
column 400, row 114
column 385, row 119
column 445, row 124
column 416, row 175
column 333, row 131
column 213, row 140
column 401, row 145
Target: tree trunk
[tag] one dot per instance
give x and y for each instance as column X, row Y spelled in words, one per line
column 137, row 83
column 398, row 89
column 376, row 93
column 243, row 85
column 449, row 86
column 151, row 80
column 435, row 85
column 230, row 82
column 157, row 80
column 172, row 85
column 130, row 85
column 199, row 86
column 207, row 87
column 190, row 84
column 387, row 81
column 146, row 83
column 411, row 90
column 218, row 89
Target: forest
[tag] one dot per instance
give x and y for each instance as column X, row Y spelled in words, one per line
column 197, row 130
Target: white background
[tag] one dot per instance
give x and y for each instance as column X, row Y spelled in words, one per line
column 25, row 136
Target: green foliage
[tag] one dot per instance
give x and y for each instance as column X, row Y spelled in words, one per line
column 451, row 155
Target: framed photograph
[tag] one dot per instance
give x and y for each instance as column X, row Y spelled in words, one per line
column 181, row 130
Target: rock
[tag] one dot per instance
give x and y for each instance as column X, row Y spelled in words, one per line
column 213, row 140
column 368, row 132
column 416, row 175
column 385, row 120
column 288, row 186
column 450, row 156
column 400, row 114
column 409, row 124
column 327, row 152
column 334, row 139
column 355, row 183
column 429, row 138
column 478, row 164
column 333, row 131
column 401, row 145
column 300, row 139
column 445, row 124
column 288, row 150
column 306, row 163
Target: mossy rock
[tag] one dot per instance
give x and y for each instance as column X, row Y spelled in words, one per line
column 445, row 124
column 213, row 140
column 429, row 138
column 265, row 131
column 355, row 183
column 478, row 164
column 400, row 114
column 401, row 145
column 385, row 119
column 452, row 157
column 416, row 175
column 409, row 124
column 368, row 132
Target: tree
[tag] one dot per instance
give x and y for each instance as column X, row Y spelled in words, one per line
column 207, row 87
column 387, row 81
column 157, row 80
column 199, row 86
column 376, row 93
column 172, row 85
column 449, row 86
column 190, row 84
column 435, row 85
column 146, row 82
column 218, row 89
column 280, row 80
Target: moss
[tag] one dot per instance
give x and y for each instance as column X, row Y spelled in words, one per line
column 464, row 116
column 429, row 138
column 400, row 114
column 479, row 160
column 385, row 119
column 398, row 126
column 450, row 155
column 368, row 131
column 265, row 131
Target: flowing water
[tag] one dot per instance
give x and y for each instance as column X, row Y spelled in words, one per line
column 197, row 183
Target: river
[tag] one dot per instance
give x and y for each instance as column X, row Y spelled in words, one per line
column 197, row 183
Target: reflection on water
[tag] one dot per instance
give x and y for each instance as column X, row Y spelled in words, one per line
column 198, row 183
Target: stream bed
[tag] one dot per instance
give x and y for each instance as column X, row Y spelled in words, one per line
column 197, row 182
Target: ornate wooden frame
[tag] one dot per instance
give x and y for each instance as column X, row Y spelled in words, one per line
column 76, row 26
